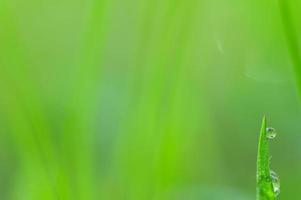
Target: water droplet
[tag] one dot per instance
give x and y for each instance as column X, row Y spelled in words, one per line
column 271, row 133
column 275, row 182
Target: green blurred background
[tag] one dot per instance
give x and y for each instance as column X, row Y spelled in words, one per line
column 144, row 99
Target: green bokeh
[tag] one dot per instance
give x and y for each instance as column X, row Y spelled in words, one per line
column 145, row 99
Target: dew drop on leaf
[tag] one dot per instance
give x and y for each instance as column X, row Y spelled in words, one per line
column 271, row 133
column 275, row 182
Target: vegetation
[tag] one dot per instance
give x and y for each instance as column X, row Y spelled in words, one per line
column 267, row 181
column 144, row 99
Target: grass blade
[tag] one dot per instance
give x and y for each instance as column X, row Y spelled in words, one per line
column 265, row 189
column 291, row 37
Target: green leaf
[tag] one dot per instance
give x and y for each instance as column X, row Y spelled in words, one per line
column 291, row 36
column 265, row 189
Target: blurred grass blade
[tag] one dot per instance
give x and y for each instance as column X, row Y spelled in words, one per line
column 264, row 182
column 292, row 40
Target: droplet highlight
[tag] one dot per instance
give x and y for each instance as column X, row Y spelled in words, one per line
column 271, row 133
column 275, row 182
